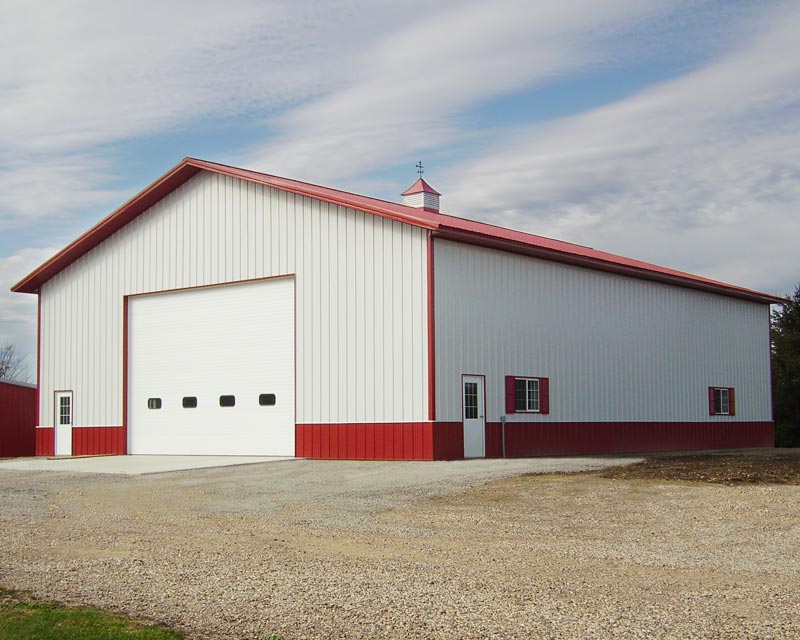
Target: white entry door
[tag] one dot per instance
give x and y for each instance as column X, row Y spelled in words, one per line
column 474, row 416
column 63, row 419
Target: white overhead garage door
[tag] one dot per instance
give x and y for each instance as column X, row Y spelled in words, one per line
column 211, row 370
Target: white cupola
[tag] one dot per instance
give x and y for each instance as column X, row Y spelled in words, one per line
column 421, row 195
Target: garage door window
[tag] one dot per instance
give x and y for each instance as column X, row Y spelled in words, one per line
column 154, row 403
column 190, row 402
column 266, row 399
column 227, row 401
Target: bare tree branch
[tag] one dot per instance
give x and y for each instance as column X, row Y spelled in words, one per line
column 13, row 366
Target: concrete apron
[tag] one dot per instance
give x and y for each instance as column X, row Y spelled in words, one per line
column 131, row 465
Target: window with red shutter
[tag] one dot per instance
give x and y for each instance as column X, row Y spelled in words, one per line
column 526, row 394
column 721, row 401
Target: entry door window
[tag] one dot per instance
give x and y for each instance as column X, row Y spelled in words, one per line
column 471, row 400
column 65, row 410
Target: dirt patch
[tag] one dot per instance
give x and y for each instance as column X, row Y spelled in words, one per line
column 775, row 467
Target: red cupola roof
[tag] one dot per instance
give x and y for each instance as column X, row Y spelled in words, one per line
column 420, row 186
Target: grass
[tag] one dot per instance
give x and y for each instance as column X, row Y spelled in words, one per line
column 24, row 619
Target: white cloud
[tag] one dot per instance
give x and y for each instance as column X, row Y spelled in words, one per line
column 413, row 83
column 33, row 191
column 700, row 173
column 17, row 311
column 81, row 78
column 88, row 73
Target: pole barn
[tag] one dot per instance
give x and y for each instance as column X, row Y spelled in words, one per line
column 17, row 418
column 225, row 311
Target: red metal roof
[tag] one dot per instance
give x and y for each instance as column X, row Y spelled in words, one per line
column 442, row 225
column 420, row 186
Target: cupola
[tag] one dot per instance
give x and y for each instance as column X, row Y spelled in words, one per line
column 421, row 195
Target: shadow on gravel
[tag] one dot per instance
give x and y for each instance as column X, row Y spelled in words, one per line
column 732, row 469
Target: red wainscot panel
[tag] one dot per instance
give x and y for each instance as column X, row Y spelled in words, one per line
column 45, row 441
column 525, row 439
column 448, row 441
column 92, row 441
column 494, row 440
column 365, row 441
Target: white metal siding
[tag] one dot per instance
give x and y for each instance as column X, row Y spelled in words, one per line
column 614, row 348
column 360, row 295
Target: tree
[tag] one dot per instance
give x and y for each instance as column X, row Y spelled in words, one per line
column 786, row 371
column 12, row 365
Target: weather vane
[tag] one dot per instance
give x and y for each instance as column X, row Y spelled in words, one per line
column 420, row 168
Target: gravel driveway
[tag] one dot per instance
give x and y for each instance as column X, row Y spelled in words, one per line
column 314, row 549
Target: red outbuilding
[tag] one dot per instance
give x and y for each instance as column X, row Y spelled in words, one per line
column 17, row 418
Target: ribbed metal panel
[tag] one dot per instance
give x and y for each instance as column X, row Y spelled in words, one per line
column 615, row 349
column 17, row 419
column 360, row 298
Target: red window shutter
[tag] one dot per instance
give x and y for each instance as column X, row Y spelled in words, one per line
column 712, row 409
column 544, row 395
column 731, row 401
column 511, row 394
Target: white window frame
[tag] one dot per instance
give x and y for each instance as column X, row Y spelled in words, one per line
column 532, row 404
column 724, row 401
column 477, row 401
column 65, row 410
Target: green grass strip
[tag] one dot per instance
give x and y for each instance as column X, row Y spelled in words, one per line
column 21, row 619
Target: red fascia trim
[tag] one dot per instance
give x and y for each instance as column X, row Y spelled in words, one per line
column 125, row 374
column 431, row 334
column 294, row 360
column 634, row 269
column 38, row 356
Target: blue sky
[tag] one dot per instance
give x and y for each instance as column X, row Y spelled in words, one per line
column 664, row 131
